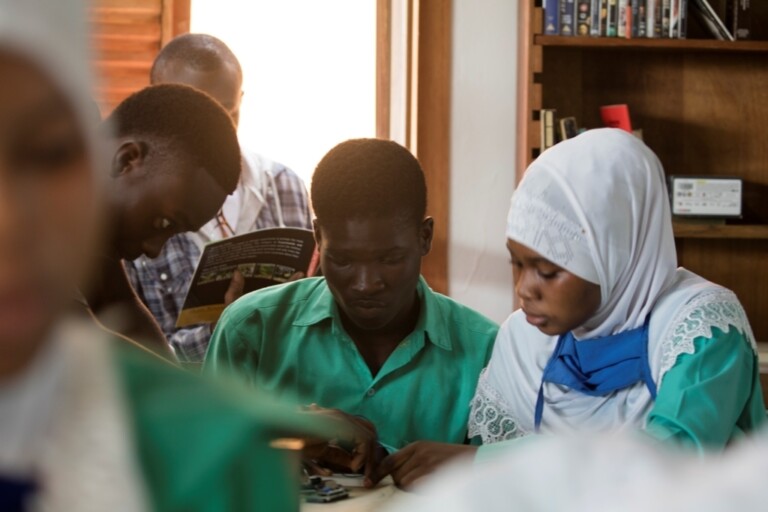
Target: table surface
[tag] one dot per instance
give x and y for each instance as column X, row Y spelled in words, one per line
column 360, row 499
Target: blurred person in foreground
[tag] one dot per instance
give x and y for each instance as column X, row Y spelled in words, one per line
column 88, row 424
column 599, row 473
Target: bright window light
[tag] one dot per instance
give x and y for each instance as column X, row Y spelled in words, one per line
column 309, row 71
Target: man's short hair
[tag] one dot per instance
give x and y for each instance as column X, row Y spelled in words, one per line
column 369, row 177
column 187, row 120
column 201, row 52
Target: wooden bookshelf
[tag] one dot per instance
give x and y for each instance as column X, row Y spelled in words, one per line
column 734, row 232
column 652, row 44
column 703, row 107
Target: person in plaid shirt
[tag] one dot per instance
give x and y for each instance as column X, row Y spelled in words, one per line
column 268, row 194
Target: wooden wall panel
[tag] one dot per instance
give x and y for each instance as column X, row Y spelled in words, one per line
column 126, row 36
column 738, row 264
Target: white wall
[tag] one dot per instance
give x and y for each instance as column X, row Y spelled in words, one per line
column 482, row 152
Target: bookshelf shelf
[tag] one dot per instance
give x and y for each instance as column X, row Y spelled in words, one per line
column 652, row 44
column 721, row 231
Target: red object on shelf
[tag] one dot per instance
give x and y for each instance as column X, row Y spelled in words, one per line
column 616, row 116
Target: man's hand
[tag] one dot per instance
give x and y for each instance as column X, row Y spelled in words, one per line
column 419, row 459
column 356, row 446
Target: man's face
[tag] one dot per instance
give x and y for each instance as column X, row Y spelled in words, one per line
column 157, row 196
column 223, row 85
column 372, row 267
column 47, row 206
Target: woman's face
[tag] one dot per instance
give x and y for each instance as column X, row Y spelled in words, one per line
column 47, row 213
column 553, row 300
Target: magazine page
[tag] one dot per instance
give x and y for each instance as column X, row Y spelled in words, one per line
column 264, row 258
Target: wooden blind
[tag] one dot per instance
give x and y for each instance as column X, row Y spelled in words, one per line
column 126, row 36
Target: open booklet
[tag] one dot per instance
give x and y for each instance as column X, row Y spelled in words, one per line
column 264, row 258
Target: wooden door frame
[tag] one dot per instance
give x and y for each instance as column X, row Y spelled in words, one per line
column 175, row 19
column 428, row 109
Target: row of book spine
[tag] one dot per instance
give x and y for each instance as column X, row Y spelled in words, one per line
column 616, row 18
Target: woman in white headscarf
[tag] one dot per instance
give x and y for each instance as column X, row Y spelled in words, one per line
column 611, row 334
column 87, row 423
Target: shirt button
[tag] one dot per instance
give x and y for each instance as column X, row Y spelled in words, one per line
column 163, row 276
column 371, row 392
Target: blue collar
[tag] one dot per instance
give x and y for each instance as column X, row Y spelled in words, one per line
column 598, row 366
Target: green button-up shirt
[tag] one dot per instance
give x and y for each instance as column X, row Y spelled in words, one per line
column 289, row 340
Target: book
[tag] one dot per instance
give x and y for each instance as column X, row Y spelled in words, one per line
column 683, row 30
column 642, row 18
column 633, row 28
column 711, row 20
column 552, row 17
column 650, row 17
column 616, row 116
column 547, row 121
column 674, row 19
column 658, row 18
column 622, row 17
column 568, row 128
column 594, row 18
column 666, row 7
column 583, row 17
column 604, row 17
column 265, row 257
column 613, row 18
column 737, row 18
column 567, row 17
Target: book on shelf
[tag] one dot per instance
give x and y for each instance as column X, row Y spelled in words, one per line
column 552, row 17
column 616, row 116
column 683, row 21
column 594, row 18
column 568, row 128
column 650, row 17
column 666, row 7
column 583, row 17
column 603, row 17
column 642, row 9
column 737, row 18
column 633, row 24
column 674, row 19
column 658, row 18
column 630, row 18
column 622, row 16
column 547, row 122
column 567, row 17
column 711, row 20
column 613, row 18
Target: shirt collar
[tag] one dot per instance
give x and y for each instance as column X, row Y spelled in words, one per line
column 320, row 306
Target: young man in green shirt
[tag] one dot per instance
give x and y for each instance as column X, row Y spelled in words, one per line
column 370, row 339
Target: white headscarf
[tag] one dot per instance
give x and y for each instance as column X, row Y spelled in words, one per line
column 597, row 206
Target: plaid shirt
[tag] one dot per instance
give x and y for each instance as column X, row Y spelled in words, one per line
column 162, row 282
